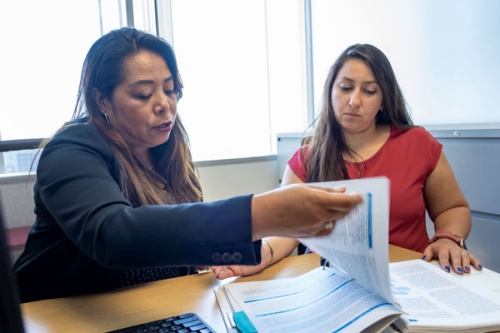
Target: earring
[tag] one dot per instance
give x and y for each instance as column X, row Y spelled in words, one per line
column 106, row 117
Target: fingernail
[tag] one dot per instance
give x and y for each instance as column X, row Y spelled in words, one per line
column 447, row 268
column 480, row 266
column 423, row 258
column 338, row 188
column 460, row 269
column 467, row 268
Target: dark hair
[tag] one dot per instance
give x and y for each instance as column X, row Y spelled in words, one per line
column 103, row 69
column 325, row 161
column 103, row 66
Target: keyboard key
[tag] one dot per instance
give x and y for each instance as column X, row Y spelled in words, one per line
column 184, row 323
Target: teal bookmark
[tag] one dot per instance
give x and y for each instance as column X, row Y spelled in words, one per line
column 243, row 324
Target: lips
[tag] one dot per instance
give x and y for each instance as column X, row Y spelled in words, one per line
column 165, row 127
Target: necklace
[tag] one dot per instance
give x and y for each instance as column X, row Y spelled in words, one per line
column 170, row 194
column 166, row 188
column 360, row 170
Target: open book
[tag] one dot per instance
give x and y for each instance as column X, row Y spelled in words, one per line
column 359, row 291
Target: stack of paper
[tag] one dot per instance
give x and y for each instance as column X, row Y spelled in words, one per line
column 361, row 291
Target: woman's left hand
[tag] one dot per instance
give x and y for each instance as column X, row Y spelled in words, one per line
column 224, row 272
column 451, row 256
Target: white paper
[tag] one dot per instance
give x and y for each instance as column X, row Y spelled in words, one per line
column 321, row 300
column 351, row 296
column 357, row 293
column 435, row 300
column 359, row 243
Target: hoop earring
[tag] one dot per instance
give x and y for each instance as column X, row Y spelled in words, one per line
column 107, row 119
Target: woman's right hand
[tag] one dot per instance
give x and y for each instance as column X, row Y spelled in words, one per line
column 299, row 210
column 273, row 250
column 224, row 272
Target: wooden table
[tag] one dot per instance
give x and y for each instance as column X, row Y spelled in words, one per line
column 156, row 300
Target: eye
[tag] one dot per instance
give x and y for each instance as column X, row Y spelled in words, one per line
column 370, row 92
column 143, row 97
column 169, row 92
column 345, row 87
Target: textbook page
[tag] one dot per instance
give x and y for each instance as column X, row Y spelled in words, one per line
column 358, row 245
column 434, row 300
column 322, row 300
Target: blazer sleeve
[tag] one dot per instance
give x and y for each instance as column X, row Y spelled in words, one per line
column 77, row 188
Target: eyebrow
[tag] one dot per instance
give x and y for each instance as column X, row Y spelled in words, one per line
column 351, row 80
column 140, row 82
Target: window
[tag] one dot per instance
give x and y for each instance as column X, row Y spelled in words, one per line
column 41, row 62
column 242, row 63
column 44, row 45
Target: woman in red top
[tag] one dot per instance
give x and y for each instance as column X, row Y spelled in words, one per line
column 364, row 130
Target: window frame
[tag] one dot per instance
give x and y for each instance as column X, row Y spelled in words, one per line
column 161, row 24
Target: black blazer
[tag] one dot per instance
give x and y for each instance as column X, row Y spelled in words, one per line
column 86, row 232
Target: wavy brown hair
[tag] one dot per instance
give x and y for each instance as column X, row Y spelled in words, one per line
column 103, row 69
column 325, row 161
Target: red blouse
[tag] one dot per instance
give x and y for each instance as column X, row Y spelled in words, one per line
column 407, row 159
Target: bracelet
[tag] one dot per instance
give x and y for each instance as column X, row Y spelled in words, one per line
column 449, row 235
column 270, row 250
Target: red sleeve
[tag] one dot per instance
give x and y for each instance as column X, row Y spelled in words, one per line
column 422, row 146
column 297, row 164
column 435, row 151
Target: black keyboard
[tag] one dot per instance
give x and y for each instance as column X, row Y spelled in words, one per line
column 184, row 323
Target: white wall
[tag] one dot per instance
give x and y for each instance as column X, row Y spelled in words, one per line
column 444, row 53
column 16, row 194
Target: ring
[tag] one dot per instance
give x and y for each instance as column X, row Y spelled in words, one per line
column 225, row 269
column 329, row 225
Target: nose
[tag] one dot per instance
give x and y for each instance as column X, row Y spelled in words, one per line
column 162, row 104
column 355, row 99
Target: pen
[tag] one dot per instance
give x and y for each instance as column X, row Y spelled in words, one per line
column 231, row 319
column 228, row 320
